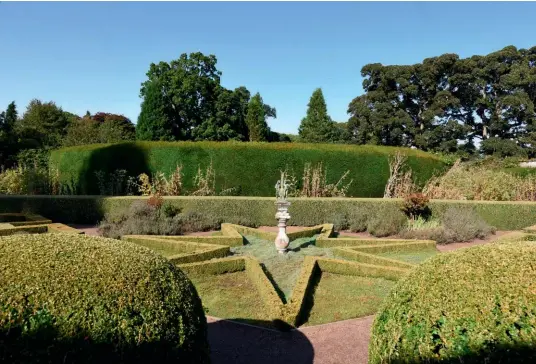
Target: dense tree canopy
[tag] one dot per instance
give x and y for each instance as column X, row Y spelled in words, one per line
column 184, row 100
column 449, row 104
column 43, row 125
column 99, row 128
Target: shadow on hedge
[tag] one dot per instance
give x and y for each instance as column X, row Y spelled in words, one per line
column 123, row 156
column 273, row 342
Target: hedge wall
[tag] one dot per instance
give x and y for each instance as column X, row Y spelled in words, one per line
column 258, row 210
column 252, row 168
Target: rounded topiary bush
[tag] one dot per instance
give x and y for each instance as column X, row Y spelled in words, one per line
column 475, row 305
column 77, row 299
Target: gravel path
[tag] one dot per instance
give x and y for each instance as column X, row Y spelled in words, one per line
column 335, row 343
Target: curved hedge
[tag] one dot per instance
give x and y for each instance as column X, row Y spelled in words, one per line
column 252, row 168
column 78, row 299
column 475, row 305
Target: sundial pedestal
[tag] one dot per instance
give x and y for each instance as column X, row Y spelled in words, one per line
column 282, row 215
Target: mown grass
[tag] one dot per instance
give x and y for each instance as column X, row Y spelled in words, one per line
column 230, row 295
column 338, row 297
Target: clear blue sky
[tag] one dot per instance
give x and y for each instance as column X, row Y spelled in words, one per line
column 94, row 56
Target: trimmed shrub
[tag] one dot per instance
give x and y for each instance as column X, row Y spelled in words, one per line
column 79, row 299
column 386, row 221
column 473, row 305
column 151, row 217
column 251, row 168
column 256, row 211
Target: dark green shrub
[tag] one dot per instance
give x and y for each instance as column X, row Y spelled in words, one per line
column 386, row 221
column 79, row 299
column 473, row 305
column 151, row 217
column 250, row 168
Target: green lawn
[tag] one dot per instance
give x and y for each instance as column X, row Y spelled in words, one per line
column 230, row 295
column 338, row 297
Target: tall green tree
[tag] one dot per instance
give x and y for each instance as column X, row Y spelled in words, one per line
column 256, row 120
column 8, row 137
column 10, row 118
column 189, row 88
column 317, row 126
column 154, row 121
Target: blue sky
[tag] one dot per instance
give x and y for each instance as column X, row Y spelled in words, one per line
column 94, row 56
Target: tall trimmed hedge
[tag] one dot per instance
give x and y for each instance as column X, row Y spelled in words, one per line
column 251, row 168
column 78, row 299
column 256, row 211
column 475, row 305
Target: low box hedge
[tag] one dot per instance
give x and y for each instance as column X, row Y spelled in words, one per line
column 179, row 252
column 474, row 305
column 259, row 210
column 215, row 266
column 20, row 219
column 347, row 268
column 362, row 257
column 79, row 299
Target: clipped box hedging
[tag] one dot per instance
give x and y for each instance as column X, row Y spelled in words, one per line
column 347, row 268
column 78, row 299
column 179, row 252
column 272, row 302
column 407, row 247
column 474, row 305
column 362, row 257
column 215, row 266
column 20, row 219
column 293, row 312
column 260, row 210
column 252, row 168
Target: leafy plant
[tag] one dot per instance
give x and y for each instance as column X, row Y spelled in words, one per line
column 416, row 205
